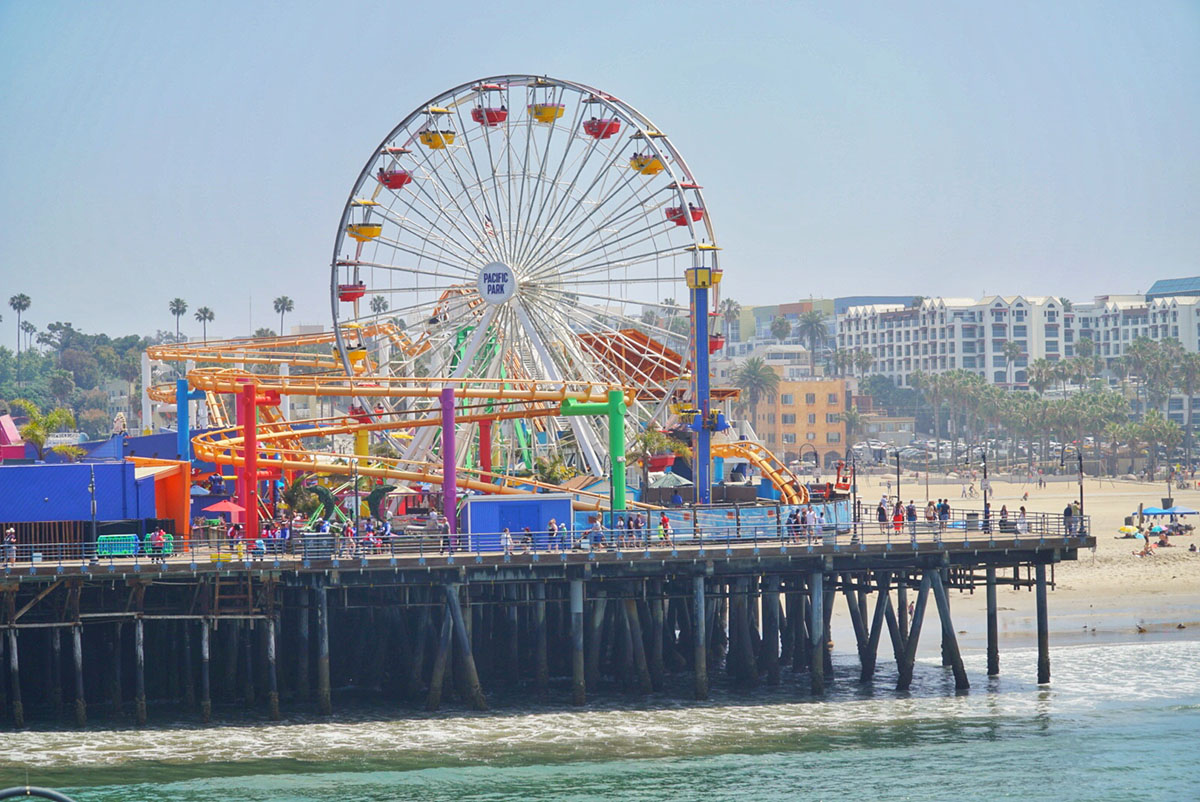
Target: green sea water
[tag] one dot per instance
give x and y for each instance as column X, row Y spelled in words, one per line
column 1120, row 722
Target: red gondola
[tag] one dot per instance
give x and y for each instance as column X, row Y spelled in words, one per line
column 490, row 117
column 677, row 216
column 715, row 342
column 394, row 179
column 351, row 292
column 601, row 128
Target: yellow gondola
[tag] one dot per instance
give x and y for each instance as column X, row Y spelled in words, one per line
column 546, row 112
column 646, row 164
column 437, row 140
column 364, row 232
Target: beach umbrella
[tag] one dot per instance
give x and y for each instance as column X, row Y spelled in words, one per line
column 1154, row 511
column 225, row 506
column 1178, row 510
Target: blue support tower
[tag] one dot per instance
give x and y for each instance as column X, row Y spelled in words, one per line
column 699, row 281
column 182, row 423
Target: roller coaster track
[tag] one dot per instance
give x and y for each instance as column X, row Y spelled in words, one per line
column 773, row 469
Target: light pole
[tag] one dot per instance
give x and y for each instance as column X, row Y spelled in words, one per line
column 354, row 466
column 816, row 456
column 896, row 454
column 1062, row 461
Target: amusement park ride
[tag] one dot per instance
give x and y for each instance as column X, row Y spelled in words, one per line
column 528, row 237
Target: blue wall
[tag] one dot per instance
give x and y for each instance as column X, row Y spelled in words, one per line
column 484, row 517
column 30, row 493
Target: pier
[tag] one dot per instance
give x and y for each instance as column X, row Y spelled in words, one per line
column 419, row 625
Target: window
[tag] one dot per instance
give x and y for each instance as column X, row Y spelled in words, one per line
column 833, row 417
column 787, row 398
column 1019, row 331
column 810, row 398
column 770, row 417
column 812, row 418
column 789, row 438
column 1052, row 346
column 833, row 437
column 810, row 436
column 833, row 398
column 787, row 417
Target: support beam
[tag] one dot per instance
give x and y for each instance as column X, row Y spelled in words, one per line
column 56, row 696
column 993, row 633
column 770, row 637
column 77, row 654
column 272, row 676
column 578, row 678
column 870, row 655
column 914, row 635
column 861, row 634
column 14, row 670
column 189, row 680
column 949, row 641
column 463, row 638
column 247, row 637
column 541, row 662
column 700, row 639
column 139, row 668
column 633, row 621
column 816, row 632
column 115, row 669
column 205, row 676
column 657, row 666
column 1043, row 627
column 595, row 639
column 437, row 676
column 303, row 624
column 324, row 693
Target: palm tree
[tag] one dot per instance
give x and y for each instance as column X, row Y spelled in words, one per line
column 19, row 304
column 812, row 329
column 178, row 307
column 283, row 305
column 379, row 305
column 204, row 316
column 854, row 421
column 863, row 360
column 1041, row 374
column 1012, row 352
column 39, row 427
column 758, row 380
column 730, row 311
column 1189, row 384
column 29, row 329
column 781, row 329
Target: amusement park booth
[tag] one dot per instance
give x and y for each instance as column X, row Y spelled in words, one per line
column 484, row 516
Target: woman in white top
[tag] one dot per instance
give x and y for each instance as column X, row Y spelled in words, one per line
column 1022, row 522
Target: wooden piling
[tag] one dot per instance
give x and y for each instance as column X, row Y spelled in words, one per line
column 770, row 637
column 914, row 635
column 700, row 640
column 949, row 640
column 437, row 676
column 870, row 655
column 205, row 677
column 993, row 632
column 189, row 680
column 633, row 621
column 947, row 648
column 14, row 669
column 902, row 606
column 272, row 677
column 861, row 634
column 1043, row 627
column 658, row 667
column 247, row 639
column 139, row 669
column 541, row 663
column 463, row 639
column 578, row 677
column 56, row 697
column 816, row 631
column 77, row 654
column 114, row 679
column 303, row 623
column 324, row 693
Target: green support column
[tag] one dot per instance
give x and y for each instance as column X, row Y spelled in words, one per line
column 614, row 408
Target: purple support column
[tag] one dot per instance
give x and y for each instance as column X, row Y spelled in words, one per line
column 449, row 473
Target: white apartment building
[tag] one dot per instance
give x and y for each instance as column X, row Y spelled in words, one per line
column 958, row 334
column 966, row 334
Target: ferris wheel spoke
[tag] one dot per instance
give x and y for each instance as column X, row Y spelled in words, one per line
column 492, row 227
column 453, row 160
column 621, row 244
column 476, row 237
column 566, row 295
column 627, row 261
column 468, row 241
column 426, row 235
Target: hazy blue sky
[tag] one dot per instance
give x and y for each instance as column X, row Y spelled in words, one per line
column 206, row 149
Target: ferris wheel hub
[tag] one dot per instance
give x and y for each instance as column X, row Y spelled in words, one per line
column 497, row 283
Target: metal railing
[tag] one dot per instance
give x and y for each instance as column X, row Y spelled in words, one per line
column 963, row 529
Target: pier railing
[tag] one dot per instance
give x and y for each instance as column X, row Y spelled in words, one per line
column 962, row 530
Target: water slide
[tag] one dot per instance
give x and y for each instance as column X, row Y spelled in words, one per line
column 790, row 487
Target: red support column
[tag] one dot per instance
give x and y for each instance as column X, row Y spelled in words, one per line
column 249, row 499
column 485, row 447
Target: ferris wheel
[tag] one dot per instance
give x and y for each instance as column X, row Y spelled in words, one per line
column 524, row 227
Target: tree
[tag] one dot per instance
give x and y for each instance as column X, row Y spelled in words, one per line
column 178, row 308
column 379, row 305
column 264, row 332
column 1041, row 374
column 863, row 360
column 758, row 380
column 650, row 442
column 1189, row 385
column 1067, row 306
column 284, row 304
column 552, row 470
column 62, row 384
column 29, row 330
column 730, row 311
column 39, row 427
column 916, row 302
column 854, row 422
column 204, row 316
column 781, row 329
column 1012, row 352
column 19, row 304
column 812, row 330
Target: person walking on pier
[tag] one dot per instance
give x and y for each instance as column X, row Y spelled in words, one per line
column 1069, row 519
column 930, row 515
column 881, row 516
column 898, row 517
column 506, row 542
column 910, row 513
column 10, row 546
column 552, row 535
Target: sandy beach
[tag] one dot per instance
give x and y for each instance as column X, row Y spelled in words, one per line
column 1105, row 593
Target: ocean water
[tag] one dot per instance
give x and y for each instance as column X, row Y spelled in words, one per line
column 1120, row 722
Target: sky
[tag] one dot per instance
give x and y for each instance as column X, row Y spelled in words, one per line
column 206, row 150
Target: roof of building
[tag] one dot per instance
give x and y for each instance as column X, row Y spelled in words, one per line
column 1174, row 286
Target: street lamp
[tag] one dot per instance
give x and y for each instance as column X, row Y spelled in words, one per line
column 896, row 454
column 1062, row 461
column 92, row 492
column 354, row 466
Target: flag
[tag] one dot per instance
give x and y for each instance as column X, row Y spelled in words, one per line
column 488, row 228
